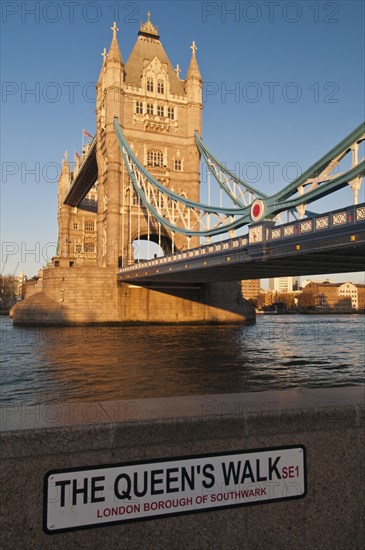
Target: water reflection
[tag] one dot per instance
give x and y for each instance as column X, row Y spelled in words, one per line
column 64, row 364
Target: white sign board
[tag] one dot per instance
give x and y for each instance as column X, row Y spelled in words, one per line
column 98, row 495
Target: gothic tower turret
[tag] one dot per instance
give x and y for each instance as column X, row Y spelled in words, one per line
column 193, row 89
column 64, row 211
column 110, row 104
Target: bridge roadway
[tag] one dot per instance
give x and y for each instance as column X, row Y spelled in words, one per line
column 328, row 243
column 84, row 179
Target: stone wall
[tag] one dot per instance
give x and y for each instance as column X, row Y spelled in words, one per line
column 329, row 423
column 30, row 290
column 93, row 295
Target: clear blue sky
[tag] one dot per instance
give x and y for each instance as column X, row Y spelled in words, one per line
column 297, row 71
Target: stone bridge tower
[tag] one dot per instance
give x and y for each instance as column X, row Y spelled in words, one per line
column 159, row 113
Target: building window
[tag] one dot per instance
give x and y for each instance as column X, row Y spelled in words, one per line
column 160, row 110
column 149, row 85
column 149, row 109
column 160, row 87
column 78, row 248
column 88, row 247
column 154, row 157
column 131, row 198
column 171, row 113
column 90, row 198
column 177, row 165
column 75, row 225
column 139, row 108
column 89, row 225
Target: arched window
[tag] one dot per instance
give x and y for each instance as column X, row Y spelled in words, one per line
column 135, row 200
column 131, row 198
column 149, row 84
column 154, row 157
column 160, row 87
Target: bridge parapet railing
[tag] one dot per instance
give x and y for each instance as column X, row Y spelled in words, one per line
column 349, row 215
column 360, row 213
column 306, row 226
column 87, row 151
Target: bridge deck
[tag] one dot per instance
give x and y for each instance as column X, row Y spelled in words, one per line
column 85, row 178
column 336, row 249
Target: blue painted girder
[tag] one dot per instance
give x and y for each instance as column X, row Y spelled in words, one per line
column 272, row 205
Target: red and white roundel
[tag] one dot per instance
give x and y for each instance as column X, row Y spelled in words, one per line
column 257, row 210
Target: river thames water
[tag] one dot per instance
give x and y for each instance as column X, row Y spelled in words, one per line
column 75, row 364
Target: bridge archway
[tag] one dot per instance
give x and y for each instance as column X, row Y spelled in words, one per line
column 146, row 245
column 148, row 249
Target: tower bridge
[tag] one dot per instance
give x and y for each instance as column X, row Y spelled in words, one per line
column 139, row 179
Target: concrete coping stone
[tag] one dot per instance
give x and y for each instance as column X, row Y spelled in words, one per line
column 216, row 407
column 37, row 430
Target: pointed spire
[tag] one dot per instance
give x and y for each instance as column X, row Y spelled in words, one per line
column 193, row 71
column 76, row 162
column 65, row 178
column 114, row 52
column 65, row 165
column 104, row 56
column 103, row 67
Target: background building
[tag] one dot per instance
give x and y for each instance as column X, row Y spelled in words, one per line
column 337, row 296
column 251, row 289
column 281, row 284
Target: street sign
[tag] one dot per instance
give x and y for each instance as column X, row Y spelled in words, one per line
column 100, row 495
